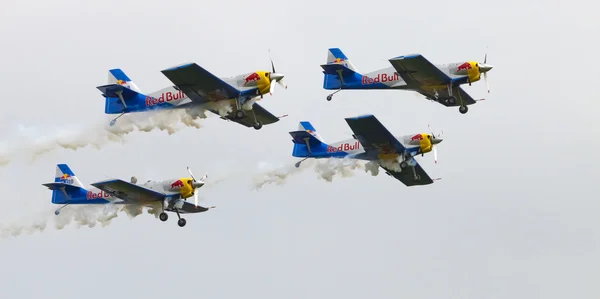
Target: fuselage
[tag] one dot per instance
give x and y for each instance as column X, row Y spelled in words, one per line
column 251, row 86
column 173, row 188
column 352, row 148
column 388, row 78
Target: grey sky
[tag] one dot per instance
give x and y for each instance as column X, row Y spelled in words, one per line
column 515, row 215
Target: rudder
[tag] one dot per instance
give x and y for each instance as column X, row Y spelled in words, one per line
column 117, row 76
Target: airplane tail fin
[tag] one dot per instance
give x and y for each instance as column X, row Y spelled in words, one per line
column 338, row 69
column 307, row 142
column 117, row 76
column 336, row 56
column 122, row 95
column 66, row 187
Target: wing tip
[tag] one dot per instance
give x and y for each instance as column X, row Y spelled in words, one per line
column 179, row 66
column 408, row 56
column 360, row 117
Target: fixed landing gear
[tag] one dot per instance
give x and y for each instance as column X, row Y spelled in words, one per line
column 463, row 109
column 403, row 165
column 258, row 125
column 240, row 114
column 163, row 216
column 298, row 163
column 451, row 100
column 329, row 97
column 181, row 222
column 57, row 212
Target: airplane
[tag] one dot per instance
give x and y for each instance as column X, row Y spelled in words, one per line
column 194, row 86
column 372, row 142
column 67, row 189
column 439, row 83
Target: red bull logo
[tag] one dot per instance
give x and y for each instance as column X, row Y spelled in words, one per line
column 177, row 183
column 416, row 137
column 121, row 82
column 338, row 60
column 343, row 147
column 251, row 78
column 164, row 97
column 463, row 67
column 65, row 178
column 97, row 195
column 380, row 78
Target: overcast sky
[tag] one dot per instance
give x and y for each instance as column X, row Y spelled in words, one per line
column 514, row 216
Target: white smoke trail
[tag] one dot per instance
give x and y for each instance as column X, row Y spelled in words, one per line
column 32, row 143
column 326, row 169
column 80, row 216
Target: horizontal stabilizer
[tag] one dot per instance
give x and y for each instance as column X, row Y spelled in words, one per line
column 60, row 186
column 333, row 69
column 112, row 90
column 300, row 137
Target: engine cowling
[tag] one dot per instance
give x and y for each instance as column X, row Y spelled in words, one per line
column 184, row 186
column 469, row 68
column 259, row 79
column 422, row 140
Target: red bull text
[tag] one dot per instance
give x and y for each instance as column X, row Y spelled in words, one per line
column 343, row 147
column 97, row 195
column 251, row 78
column 380, row 78
column 464, row 66
column 177, row 183
column 164, row 97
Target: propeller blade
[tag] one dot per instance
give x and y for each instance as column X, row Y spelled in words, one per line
column 280, row 82
column 190, row 171
column 435, row 154
column 272, row 87
column 272, row 64
column 196, row 198
column 486, row 81
column 430, row 130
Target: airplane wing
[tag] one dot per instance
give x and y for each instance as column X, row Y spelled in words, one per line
column 199, row 84
column 443, row 93
column 189, row 208
column 407, row 176
column 264, row 116
column 373, row 136
column 128, row 191
column 416, row 70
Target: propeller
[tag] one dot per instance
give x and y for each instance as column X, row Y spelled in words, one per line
column 274, row 76
column 484, row 68
column 196, row 184
column 435, row 140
